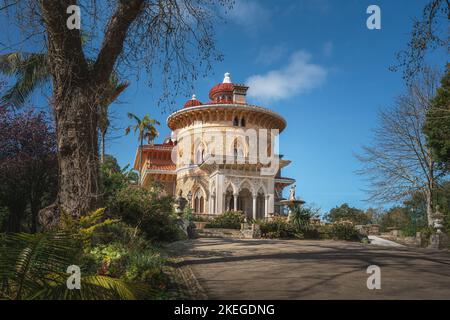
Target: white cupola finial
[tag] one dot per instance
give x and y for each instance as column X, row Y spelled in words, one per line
column 227, row 78
column 194, row 97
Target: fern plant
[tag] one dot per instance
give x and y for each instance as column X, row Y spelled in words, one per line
column 84, row 227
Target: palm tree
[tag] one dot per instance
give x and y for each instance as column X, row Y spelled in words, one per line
column 301, row 217
column 147, row 130
column 32, row 71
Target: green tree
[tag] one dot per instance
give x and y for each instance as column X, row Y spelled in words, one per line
column 437, row 125
column 147, row 130
column 347, row 213
column 146, row 210
column 174, row 37
column 396, row 217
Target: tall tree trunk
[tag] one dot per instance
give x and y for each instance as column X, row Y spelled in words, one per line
column 429, row 200
column 34, row 206
column 76, row 129
column 34, row 217
column 76, row 122
column 431, row 189
column 102, row 137
column 14, row 222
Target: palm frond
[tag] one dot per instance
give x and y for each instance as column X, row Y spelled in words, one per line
column 31, row 71
column 27, row 260
column 95, row 287
column 133, row 116
column 33, row 266
column 111, row 93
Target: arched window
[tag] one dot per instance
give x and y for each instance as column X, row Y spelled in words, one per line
column 199, row 202
column 243, row 122
column 238, row 150
column 236, row 122
column 200, row 154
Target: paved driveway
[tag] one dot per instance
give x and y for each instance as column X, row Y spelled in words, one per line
column 301, row 269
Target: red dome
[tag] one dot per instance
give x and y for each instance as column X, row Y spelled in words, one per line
column 192, row 102
column 221, row 88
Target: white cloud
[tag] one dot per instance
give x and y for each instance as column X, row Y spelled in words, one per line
column 298, row 76
column 250, row 14
column 269, row 55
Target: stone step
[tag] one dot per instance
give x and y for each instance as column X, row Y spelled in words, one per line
column 219, row 233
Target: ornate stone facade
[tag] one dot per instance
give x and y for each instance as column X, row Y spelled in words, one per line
column 221, row 156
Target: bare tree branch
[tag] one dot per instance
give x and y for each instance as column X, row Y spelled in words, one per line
column 399, row 162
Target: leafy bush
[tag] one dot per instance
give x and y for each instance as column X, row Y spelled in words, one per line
column 227, row 220
column 121, row 251
column 325, row 231
column 344, row 230
column 113, row 178
column 148, row 211
column 144, row 265
column 278, row 227
column 426, row 233
column 199, row 218
column 311, row 233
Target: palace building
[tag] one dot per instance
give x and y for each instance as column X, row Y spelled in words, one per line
column 222, row 155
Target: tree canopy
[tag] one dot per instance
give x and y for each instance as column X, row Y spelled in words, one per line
column 437, row 125
column 347, row 213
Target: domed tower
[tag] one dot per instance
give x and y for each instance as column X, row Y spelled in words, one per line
column 225, row 156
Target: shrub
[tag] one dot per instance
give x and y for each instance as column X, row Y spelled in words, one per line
column 120, row 252
column 199, row 218
column 278, row 227
column 344, row 230
column 325, row 231
column 227, row 220
column 311, row 233
column 148, row 211
column 144, row 265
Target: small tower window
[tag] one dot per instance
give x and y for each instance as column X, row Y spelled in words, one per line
column 243, row 122
column 200, row 155
column 236, row 122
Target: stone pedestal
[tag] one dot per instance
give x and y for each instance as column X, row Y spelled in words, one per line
column 250, row 231
column 188, row 227
column 439, row 241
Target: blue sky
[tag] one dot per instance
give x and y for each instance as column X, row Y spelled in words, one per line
column 316, row 63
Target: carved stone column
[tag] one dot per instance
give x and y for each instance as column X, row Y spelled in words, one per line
column 266, row 206
column 254, row 206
